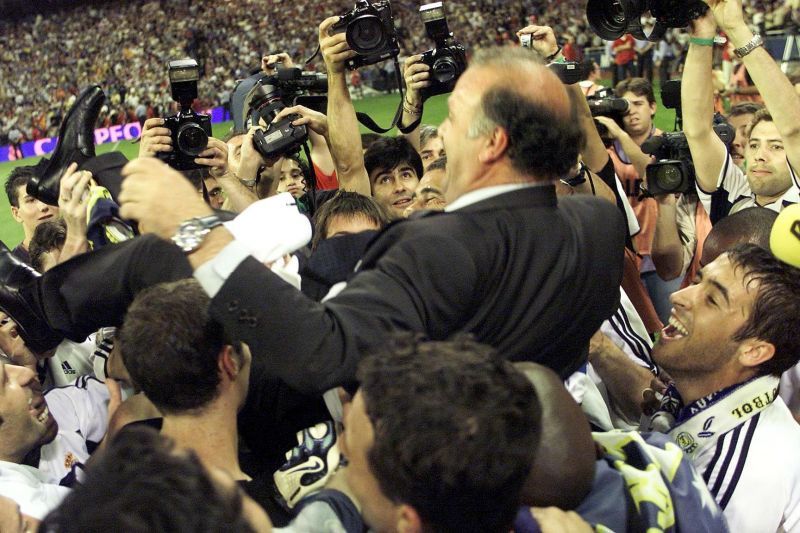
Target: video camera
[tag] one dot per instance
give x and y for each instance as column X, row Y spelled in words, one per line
column 604, row 103
column 189, row 130
column 611, row 19
column 370, row 33
column 674, row 172
column 448, row 59
column 270, row 96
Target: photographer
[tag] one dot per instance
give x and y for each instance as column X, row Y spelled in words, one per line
column 683, row 222
column 157, row 139
column 391, row 167
column 343, row 134
column 774, row 135
column 317, row 123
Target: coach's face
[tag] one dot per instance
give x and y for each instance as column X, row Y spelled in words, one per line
column 463, row 152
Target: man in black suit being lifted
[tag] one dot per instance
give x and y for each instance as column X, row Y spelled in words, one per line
column 531, row 275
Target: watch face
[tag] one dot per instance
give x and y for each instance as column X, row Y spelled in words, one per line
column 190, row 234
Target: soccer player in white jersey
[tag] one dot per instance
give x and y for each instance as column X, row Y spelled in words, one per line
column 772, row 151
column 730, row 337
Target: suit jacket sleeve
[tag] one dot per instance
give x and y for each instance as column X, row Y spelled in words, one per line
column 424, row 283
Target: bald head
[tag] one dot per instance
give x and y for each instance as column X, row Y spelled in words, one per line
column 563, row 469
column 531, row 104
column 523, row 73
column 752, row 225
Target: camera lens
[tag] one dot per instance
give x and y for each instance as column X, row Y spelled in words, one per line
column 192, row 139
column 669, row 177
column 609, row 18
column 444, row 69
column 365, row 34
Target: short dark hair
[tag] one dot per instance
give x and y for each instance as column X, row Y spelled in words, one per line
column 745, row 108
column 139, row 484
column 18, row 177
column 439, row 164
column 304, row 168
column 775, row 317
column 481, row 417
column 388, row 152
column 48, row 236
column 762, row 115
column 347, row 204
column 587, row 68
column 637, row 86
column 170, row 346
column 368, row 138
column 752, row 225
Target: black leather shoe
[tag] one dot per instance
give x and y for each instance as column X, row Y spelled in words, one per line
column 75, row 144
column 14, row 274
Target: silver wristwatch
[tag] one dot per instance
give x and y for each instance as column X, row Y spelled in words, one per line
column 751, row 45
column 191, row 232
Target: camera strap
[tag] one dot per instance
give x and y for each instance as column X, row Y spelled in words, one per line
column 311, row 186
column 367, row 121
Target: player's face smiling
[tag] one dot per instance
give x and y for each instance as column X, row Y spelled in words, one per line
column 27, row 422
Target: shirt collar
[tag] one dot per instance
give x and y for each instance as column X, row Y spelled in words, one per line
column 485, row 193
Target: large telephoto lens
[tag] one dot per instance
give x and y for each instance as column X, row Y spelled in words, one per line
column 608, row 18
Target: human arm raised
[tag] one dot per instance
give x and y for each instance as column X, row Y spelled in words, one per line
column 72, row 201
column 416, row 75
column 667, row 251
column 775, row 88
column 318, row 136
column 639, row 159
column 697, row 99
column 345, row 139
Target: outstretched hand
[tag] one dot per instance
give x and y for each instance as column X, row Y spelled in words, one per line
column 334, row 48
column 728, row 13
column 158, row 197
column 543, row 39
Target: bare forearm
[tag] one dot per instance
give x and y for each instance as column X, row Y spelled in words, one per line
column 667, row 249
column 639, row 159
column 697, row 91
column 75, row 244
column 320, row 153
column 413, row 135
column 594, row 154
column 345, row 139
column 697, row 97
column 239, row 196
column 624, row 379
column 776, row 90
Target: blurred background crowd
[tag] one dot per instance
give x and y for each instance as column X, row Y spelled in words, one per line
column 45, row 58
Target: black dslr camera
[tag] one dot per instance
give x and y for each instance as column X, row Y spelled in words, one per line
column 673, row 172
column 189, row 130
column 370, row 33
column 611, row 19
column 604, row 104
column 269, row 97
column 448, row 60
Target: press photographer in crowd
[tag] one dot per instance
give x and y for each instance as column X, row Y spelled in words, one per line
column 773, row 148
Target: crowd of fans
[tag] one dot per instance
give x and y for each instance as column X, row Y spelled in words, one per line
column 45, row 59
column 543, row 314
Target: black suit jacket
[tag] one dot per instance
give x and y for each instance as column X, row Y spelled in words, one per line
column 524, row 272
